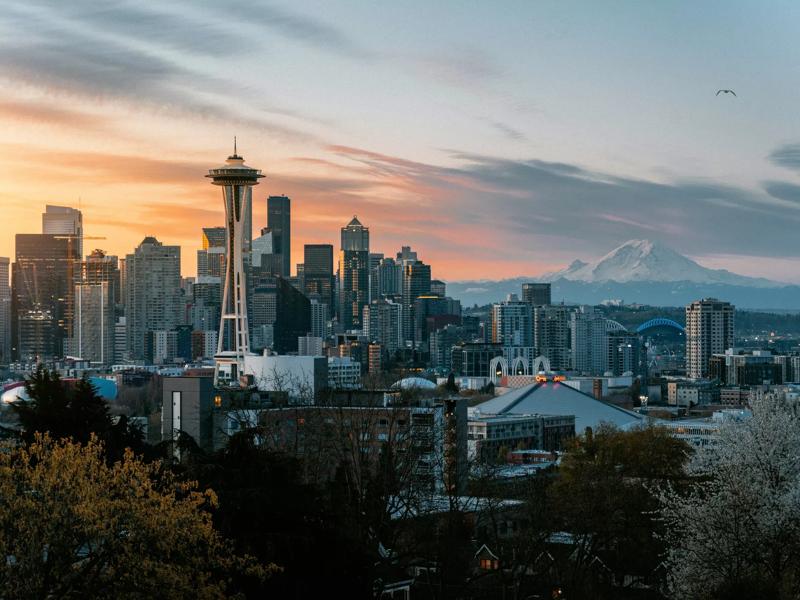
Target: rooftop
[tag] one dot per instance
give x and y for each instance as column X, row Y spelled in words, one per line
column 553, row 398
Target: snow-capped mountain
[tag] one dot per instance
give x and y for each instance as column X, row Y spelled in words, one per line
column 644, row 260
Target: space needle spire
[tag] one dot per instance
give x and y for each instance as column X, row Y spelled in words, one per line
column 233, row 344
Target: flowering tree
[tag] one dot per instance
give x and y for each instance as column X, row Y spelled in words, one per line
column 735, row 531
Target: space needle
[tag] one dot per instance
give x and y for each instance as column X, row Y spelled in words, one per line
column 237, row 181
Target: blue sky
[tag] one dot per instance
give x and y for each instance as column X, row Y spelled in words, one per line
column 498, row 139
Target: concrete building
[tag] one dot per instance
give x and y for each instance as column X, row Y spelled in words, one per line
column 759, row 367
column 709, row 331
column 344, row 373
column 589, row 341
column 692, row 393
column 536, row 294
column 153, row 282
column 624, row 353
column 186, row 407
column 309, row 345
column 512, row 323
column 204, row 343
column 383, row 324
column 552, row 334
column 93, row 332
column 319, row 311
column 489, row 436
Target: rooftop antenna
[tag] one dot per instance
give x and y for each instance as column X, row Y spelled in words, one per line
column 234, row 146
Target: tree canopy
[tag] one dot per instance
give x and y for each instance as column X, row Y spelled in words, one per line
column 71, row 526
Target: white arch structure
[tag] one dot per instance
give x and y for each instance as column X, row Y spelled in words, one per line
column 502, row 363
column 541, row 363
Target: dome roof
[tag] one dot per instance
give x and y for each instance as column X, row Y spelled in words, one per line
column 14, row 393
column 410, row 383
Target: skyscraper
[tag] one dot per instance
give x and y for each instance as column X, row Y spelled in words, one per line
column 416, row 283
column 63, row 220
column 512, row 323
column 709, row 330
column 390, row 278
column 589, row 343
column 5, row 311
column 551, row 334
column 153, row 289
column 383, row 324
column 279, row 222
column 94, row 327
column 318, row 273
column 237, row 181
column 42, row 278
column 536, row 294
column 211, row 257
column 375, row 259
column 353, row 274
column 95, row 295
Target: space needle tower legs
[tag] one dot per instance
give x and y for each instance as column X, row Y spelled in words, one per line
column 237, row 181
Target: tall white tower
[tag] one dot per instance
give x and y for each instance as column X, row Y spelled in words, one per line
column 237, row 181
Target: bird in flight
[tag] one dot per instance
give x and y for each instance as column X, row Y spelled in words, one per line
column 726, row 92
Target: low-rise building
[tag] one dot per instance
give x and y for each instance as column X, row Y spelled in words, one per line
column 491, row 437
column 344, row 373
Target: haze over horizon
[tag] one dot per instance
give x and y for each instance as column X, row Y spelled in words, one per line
column 559, row 136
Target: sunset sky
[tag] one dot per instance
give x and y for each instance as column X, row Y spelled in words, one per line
column 496, row 138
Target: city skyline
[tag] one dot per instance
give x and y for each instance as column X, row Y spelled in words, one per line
column 125, row 107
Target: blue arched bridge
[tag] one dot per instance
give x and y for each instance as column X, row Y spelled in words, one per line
column 659, row 322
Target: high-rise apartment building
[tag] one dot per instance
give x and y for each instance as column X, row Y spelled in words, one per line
column 624, row 354
column 383, row 324
column 279, row 221
column 512, row 323
column 5, row 310
column 96, row 290
column 153, row 290
column 93, row 331
column 589, row 341
column 42, row 278
column 319, row 319
column 551, row 335
column 709, row 330
column 353, row 274
column 536, row 294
